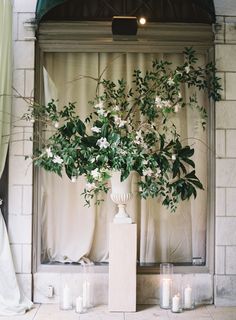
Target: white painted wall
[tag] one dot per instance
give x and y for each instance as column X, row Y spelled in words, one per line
column 20, row 172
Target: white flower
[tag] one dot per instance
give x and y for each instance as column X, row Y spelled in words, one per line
column 145, row 162
column 158, row 102
column 180, row 95
column 56, row 124
column 116, row 108
column 57, row 159
column 119, row 121
column 170, row 81
column 173, row 157
column 49, row 152
column 177, row 107
column 187, row 69
column 95, row 174
column 101, row 112
column 92, row 160
column 1, row 202
column 147, row 172
column 157, row 174
column 99, row 105
column 96, row 129
column 73, row 179
column 90, row 186
column 166, row 103
column 103, row 143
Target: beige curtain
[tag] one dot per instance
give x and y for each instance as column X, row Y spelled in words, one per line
column 5, row 77
column 71, row 232
column 12, row 301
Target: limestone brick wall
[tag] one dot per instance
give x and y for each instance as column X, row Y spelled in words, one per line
column 225, row 235
column 20, row 171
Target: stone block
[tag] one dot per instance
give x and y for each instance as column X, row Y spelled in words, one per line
column 225, row 290
column 148, row 287
column 24, row 5
column 20, row 229
column 220, row 143
column 19, row 108
column 26, row 258
column 29, row 83
column 225, row 172
column 203, row 288
column 221, row 75
column 16, row 250
column 230, row 86
column 231, row 143
column 23, row 54
column 20, row 171
column 17, row 141
column 220, row 260
column 122, row 267
column 27, row 200
column 28, row 141
column 225, row 231
column 230, row 32
column 226, row 115
column 19, row 81
column 231, row 201
column 24, row 29
column 15, row 194
column 225, row 57
column 219, row 29
column 25, row 283
column 14, row 26
column 231, row 260
column 225, row 8
column 220, row 201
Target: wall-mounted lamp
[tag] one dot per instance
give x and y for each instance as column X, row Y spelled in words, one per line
column 124, row 25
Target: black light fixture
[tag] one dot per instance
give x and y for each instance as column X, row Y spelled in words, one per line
column 124, row 25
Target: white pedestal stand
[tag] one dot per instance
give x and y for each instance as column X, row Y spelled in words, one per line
column 122, row 267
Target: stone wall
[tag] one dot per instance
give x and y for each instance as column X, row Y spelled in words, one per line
column 225, row 236
column 20, row 171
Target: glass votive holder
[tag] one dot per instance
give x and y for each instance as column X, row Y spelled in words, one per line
column 166, row 274
column 188, row 291
column 79, row 308
column 177, row 294
column 66, row 299
column 87, row 287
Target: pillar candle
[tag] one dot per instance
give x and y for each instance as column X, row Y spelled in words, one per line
column 188, row 297
column 79, row 304
column 86, row 294
column 176, row 303
column 166, row 293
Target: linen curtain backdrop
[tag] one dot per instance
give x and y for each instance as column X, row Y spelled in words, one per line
column 71, row 232
column 12, row 301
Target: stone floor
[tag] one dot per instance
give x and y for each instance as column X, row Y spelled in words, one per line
column 52, row 312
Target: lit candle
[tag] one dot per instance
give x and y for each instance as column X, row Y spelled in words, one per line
column 66, row 298
column 166, row 293
column 86, row 294
column 79, row 304
column 188, row 297
column 176, row 303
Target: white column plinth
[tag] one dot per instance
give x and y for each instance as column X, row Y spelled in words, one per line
column 122, row 267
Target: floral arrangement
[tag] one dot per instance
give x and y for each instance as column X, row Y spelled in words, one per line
column 130, row 129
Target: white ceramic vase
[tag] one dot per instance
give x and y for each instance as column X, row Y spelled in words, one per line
column 120, row 195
